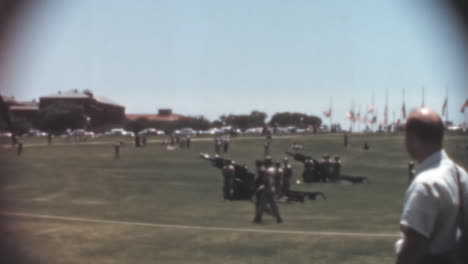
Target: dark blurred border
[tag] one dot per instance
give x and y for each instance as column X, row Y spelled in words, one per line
column 12, row 11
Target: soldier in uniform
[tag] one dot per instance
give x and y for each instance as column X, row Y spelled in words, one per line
column 217, row 144
column 228, row 180
column 137, row 140
column 117, row 150
column 226, row 141
column 287, row 175
column 189, row 141
column 366, row 146
column 309, row 174
column 335, row 168
column 19, row 147
column 264, row 194
column 266, row 150
column 278, row 180
column 325, row 168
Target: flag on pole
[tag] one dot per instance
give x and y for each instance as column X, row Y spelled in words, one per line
column 403, row 111
column 373, row 120
column 464, row 105
column 444, row 107
column 371, row 109
column 350, row 116
column 385, row 115
column 327, row 113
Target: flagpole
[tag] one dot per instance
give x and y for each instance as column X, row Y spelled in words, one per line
column 331, row 112
column 446, row 106
column 422, row 105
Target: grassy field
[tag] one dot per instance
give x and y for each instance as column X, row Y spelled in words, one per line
column 150, row 186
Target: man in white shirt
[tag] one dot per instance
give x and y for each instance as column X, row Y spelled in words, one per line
column 429, row 220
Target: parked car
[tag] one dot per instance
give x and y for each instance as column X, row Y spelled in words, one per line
column 5, row 134
column 119, row 132
column 254, row 130
column 35, row 133
column 186, row 131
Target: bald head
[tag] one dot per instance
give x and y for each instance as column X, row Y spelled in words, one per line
column 426, row 125
column 424, row 133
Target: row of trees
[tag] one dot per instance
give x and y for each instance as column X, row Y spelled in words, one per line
column 243, row 121
column 58, row 117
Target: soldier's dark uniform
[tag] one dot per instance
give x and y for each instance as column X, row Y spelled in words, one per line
column 117, row 150
column 310, row 174
column 325, row 168
column 226, row 144
column 217, row 143
column 336, row 169
column 266, row 150
column 228, row 181
column 264, row 194
column 19, row 150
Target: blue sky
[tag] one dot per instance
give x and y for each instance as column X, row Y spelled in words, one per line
column 218, row 57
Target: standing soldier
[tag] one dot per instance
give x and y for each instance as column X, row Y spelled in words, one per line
column 264, row 194
column 143, row 140
column 228, row 180
column 266, row 148
column 117, row 150
column 287, row 175
column 19, row 147
column 137, row 140
column 325, row 168
column 278, row 180
column 217, row 144
column 335, row 168
column 49, row 138
column 309, row 174
column 189, row 140
column 226, row 141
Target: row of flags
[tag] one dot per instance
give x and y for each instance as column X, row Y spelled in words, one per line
column 356, row 117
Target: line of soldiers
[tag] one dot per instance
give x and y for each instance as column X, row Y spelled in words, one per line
column 222, row 142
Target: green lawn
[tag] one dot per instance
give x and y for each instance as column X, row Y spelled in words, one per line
column 151, row 185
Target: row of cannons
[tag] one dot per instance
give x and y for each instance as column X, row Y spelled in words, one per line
column 240, row 183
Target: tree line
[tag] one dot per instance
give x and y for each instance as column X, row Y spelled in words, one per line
column 58, row 117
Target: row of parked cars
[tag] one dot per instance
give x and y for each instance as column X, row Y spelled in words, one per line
column 154, row 131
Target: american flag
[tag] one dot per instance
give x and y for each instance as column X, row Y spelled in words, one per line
column 327, row 113
column 444, row 107
column 464, row 105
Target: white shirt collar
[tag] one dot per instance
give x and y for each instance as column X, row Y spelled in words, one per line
column 429, row 161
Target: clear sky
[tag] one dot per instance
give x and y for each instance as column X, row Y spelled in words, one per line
column 211, row 57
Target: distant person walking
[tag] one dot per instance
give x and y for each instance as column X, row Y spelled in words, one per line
column 266, row 148
column 117, row 150
column 19, row 147
column 436, row 201
column 226, row 141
